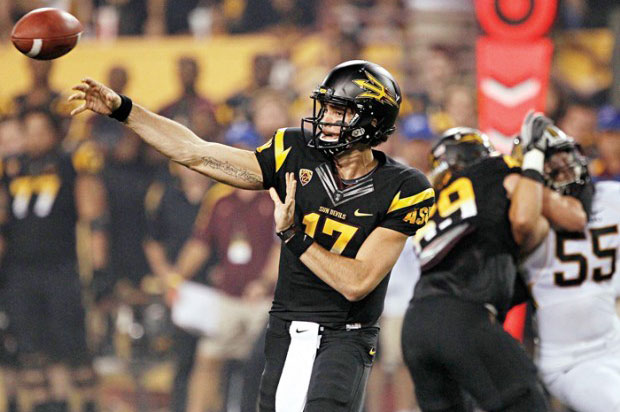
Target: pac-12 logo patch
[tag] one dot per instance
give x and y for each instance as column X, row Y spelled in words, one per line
column 304, row 176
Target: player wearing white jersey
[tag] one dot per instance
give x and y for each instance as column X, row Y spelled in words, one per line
column 571, row 278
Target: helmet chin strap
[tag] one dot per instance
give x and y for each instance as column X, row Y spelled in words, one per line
column 343, row 147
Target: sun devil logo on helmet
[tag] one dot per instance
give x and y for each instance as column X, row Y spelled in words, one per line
column 375, row 90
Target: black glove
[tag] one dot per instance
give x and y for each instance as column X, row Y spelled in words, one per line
column 535, row 142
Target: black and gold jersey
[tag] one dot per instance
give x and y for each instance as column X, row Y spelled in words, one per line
column 40, row 212
column 339, row 218
column 467, row 248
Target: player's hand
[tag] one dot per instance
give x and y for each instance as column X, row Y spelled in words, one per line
column 284, row 213
column 95, row 97
column 533, row 131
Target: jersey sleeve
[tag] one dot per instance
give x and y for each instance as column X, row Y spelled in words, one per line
column 272, row 157
column 410, row 208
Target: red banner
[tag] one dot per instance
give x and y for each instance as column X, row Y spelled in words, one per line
column 519, row 20
column 513, row 63
column 512, row 78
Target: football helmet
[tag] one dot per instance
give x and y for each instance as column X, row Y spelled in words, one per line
column 566, row 168
column 552, row 134
column 457, row 149
column 365, row 88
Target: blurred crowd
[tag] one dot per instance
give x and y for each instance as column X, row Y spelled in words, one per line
column 165, row 221
column 110, row 18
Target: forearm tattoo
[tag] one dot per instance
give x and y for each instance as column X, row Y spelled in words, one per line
column 231, row 170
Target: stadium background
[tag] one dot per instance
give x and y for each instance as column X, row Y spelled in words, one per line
column 258, row 61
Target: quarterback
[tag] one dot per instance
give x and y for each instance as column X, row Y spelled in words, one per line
column 343, row 211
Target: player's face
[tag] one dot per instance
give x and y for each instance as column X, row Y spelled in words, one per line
column 335, row 115
column 560, row 168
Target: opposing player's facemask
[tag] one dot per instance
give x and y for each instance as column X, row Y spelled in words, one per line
column 458, row 148
column 369, row 92
column 566, row 168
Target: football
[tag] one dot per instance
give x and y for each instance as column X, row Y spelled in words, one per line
column 46, row 33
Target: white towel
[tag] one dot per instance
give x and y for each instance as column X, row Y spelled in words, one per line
column 198, row 308
column 295, row 379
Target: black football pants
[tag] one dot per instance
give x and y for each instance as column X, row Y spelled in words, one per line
column 339, row 374
column 451, row 346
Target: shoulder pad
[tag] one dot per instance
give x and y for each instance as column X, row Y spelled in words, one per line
column 279, row 151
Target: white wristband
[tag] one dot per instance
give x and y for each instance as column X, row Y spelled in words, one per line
column 534, row 160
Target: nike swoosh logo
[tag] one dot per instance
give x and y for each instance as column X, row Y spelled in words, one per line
column 301, row 331
column 372, row 352
column 360, row 214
